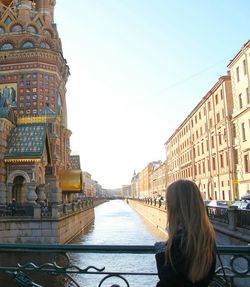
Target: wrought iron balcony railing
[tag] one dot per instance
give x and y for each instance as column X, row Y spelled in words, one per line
column 22, row 263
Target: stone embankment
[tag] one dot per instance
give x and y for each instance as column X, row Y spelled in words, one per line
column 61, row 226
column 158, row 217
column 155, row 215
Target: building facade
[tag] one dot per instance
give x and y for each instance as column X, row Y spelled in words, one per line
column 135, row 191
column 144, row 179
column 126, row 190
column 159, row 181
column 212, row 145
column 240, row 78
column 87, row 183
column 201, row 148
column 35, row 139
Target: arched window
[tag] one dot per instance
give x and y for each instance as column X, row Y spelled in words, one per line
column 7, row 46
column 16, row 28
column 27, row 45
column 32, row 29
column 45, row 45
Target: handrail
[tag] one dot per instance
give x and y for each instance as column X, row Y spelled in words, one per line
column 132, row 249
column 59, row 263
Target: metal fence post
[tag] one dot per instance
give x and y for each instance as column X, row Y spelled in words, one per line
column 232, row 217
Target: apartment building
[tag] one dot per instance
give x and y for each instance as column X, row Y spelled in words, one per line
column 135, row 191
column 200, row 149
column 126, row 190
column 87, row 184
column 145, row 179
column 159, row 180
column 240, row 78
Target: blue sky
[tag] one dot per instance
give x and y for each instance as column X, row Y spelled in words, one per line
column 138, row 68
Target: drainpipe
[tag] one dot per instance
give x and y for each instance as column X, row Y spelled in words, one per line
column 228, row 138
column 216, row 146
column 209, row 154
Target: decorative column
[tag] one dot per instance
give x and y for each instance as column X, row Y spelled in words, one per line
column 5, row 127
column 9, row 193
column 41, row 194
column 31, row 195
column 54, row 192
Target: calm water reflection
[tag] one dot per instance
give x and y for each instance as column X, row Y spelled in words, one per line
column 116, row 223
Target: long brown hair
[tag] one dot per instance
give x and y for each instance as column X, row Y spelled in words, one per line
column 187, row 215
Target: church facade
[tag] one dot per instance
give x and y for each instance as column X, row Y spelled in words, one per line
column 35, row 139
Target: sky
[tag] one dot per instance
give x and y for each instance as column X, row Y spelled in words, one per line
column 138, row 68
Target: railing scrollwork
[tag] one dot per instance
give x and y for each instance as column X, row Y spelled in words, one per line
column 237, row 266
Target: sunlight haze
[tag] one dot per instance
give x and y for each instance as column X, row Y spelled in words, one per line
column 138, row 68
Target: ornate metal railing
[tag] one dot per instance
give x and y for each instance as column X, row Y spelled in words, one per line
column 219, row 214
column 243, row 219
column 54, row 260
column 45, row 211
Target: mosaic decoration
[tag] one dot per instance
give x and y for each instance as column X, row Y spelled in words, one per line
column 32, row 29
column 17, row 28
column 7, row 21
column 26, row 141
column 8, row 92
column 75, row 162
column 27, row 45
column 44, row 45
column 38, row 21
column 7, row 46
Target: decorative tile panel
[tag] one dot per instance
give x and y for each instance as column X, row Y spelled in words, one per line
column 26, row 141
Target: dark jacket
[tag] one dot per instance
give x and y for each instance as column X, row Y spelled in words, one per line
column 178, row 276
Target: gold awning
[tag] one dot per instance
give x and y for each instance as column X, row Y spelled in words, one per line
column 71, row 180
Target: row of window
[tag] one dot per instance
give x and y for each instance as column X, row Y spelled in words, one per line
column 34, row 76
column 247, row 99
column 198, row 116
column 243, row 131
column 242, row 68
column 25, row 45
column 35, row 97
column 33, row 111
column 220, row 115
column 41, row 104
column 220, row 136
column 187, row 157
column 19, row 28
column 205, row 188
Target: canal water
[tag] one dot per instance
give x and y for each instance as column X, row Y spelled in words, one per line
column 117, row 224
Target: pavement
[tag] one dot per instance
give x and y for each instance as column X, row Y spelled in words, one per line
column 240, row 233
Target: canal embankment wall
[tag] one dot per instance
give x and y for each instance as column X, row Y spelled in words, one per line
column 153, row 214
column 157, row 216
column 58, row 229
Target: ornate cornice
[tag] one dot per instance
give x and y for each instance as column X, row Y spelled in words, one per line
column 32, row 120
column 36, row 55
column 17, row 160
